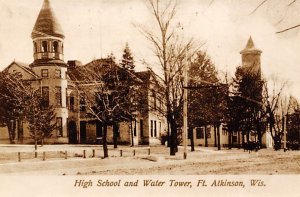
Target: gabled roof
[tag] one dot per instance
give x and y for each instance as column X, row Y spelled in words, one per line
column 250, row 47
column 146, row 76
column 47, row 23
column 23, row 66
column 98, row 67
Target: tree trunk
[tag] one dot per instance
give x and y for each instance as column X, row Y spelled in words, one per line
column 176, row 140
column 248, row 136
column 131, row 130
column 215, row 135
column 105, row 150
column 115, row 134
column 11, row 132
column 191, row 134
column 169, row 137
column 20, row 131
column 229, row 139
column 205, row 136
column 173, row 138
column 35, row 143
column 219, row 137
column 243, row 139
column 239, row 139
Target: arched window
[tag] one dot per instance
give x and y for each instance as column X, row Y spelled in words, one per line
column 55, row 46
column 35, row 47
column 44, row 46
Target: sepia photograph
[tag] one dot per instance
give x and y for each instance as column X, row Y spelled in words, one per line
column 144, row 97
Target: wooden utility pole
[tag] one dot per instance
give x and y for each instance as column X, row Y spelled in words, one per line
column 185, row 130
column 284, row 125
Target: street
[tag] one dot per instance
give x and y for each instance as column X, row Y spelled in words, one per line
column 136, row 161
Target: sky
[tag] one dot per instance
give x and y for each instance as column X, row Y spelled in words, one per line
column 96, row 28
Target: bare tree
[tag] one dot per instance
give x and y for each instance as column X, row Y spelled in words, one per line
column 275, row 110
column 106, row 89
column 170, row 52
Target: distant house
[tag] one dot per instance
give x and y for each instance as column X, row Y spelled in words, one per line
column 152, row 108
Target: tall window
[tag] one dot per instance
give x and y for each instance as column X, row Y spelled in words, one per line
column 199, row 133
column 44, row 46
column 35, row 47
column 208, row 132
column 55, row 46
column 142, row 127
column 155, row 129
column 57, row 73
column 58, row 96
column 160, row 127
column 72, row 103
column 82, row 103
column 45, row 73
column 134, row 128
column 59, row 126
column 45, row 97
column 154, row 99
column 151, row 128
column 98, row 129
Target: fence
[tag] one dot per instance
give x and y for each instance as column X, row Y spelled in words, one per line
column 66, row 154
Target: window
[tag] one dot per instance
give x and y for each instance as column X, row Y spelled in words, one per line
column 159, row 127
column 67, row 99
column 190, row 133
column 208, row 132
column 59, row 126
column 58, row 96
column 35, row 47
column 72, row 103
column 151, row 128
column 82, row 103
column 134, row 128
column 45, row 97
column 154, row 99
column 45, row 73
column 98, row 129
column 160, row 104
column 142, row 127
column 155, row 129
column 57, row 73
column 199, row 133
column 44, row 46
column 55, row 46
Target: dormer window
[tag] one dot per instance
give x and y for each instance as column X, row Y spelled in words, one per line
column 55, row 47
column 44, row 46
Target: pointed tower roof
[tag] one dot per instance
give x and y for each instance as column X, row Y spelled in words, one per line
column 47, row 23
column 250, row 47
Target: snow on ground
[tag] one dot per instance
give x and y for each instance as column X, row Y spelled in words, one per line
column 203, row 160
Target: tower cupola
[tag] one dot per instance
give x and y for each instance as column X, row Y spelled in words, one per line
column 47, row 35
column 251, row 58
